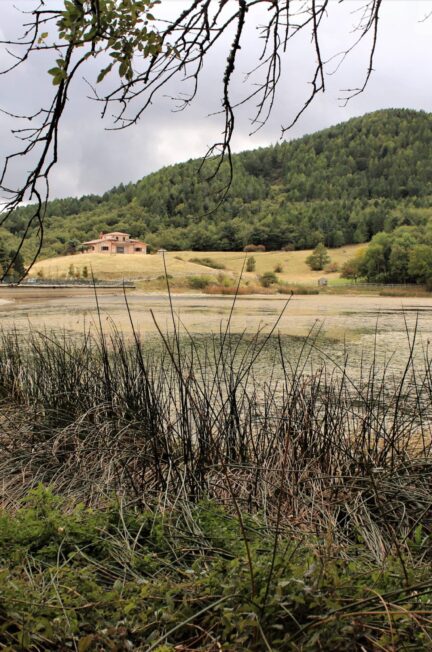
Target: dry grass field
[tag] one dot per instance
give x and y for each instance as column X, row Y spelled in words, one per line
column 118, row 266
column 293, row 263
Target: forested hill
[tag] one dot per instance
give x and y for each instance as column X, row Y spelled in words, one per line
column 340, row 185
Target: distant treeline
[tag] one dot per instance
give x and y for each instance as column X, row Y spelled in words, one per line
column 339, row 186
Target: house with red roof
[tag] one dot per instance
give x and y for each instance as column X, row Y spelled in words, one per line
column 114, row 243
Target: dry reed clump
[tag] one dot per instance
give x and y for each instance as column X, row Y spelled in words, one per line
column 318, row 451
column 233, row 290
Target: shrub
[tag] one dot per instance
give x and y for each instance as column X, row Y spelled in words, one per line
column 288, row 247
column 278, row 268
column 252, row 247
column 352, row 268
column 199, row 282
column 331, row 267
column 250, row 264
column 85, row 273
column 224, row 280
column 268, row 279
column 207, row 262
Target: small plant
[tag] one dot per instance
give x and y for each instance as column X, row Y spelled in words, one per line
column 268, row 279
column 40, row 273
column 71, row 271
column 331, row 268
column 250, row 264
column 207, row 262
column 85, row 273
column 278, row 269
column 199, row 282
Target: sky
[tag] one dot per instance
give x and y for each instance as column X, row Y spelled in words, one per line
column 93, row 159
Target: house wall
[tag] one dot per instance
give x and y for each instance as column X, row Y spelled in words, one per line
column 111, row 247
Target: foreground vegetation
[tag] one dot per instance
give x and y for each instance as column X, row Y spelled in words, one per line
column 195, row 504
column 193, row 577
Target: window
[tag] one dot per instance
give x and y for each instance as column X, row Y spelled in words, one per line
column 138, row 249
column 105, row 248
column 120, row 250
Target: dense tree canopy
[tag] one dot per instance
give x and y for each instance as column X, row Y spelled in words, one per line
column 402, row 256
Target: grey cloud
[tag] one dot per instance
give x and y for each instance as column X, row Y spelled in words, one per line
column 93, row 159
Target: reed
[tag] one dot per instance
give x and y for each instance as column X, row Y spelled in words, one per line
column 314, row 448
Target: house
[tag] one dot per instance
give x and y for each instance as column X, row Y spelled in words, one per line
column 114, row 243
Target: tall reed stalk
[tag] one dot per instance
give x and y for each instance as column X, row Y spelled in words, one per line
column 314, row 447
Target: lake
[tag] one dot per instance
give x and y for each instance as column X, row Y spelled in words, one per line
column 359, row 324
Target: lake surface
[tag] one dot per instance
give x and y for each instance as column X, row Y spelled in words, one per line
column 362, row 325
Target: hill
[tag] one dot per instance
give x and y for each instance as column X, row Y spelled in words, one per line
column 341, row 186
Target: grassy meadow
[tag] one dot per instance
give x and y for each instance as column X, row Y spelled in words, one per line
column 179, row 265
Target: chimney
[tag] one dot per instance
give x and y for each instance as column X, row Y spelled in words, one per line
column 101, row 235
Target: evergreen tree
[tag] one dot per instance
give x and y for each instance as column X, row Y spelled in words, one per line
column 250, row 264
column 319, row 258
column 17, row 260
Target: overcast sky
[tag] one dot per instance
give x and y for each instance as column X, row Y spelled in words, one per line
column 92, row 159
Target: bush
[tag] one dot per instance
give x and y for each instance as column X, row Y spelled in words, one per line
column 288, row 247
column 199, row 282
column 250, row 264
column 278, row 268
column 352, row 268
column 224, row 280
column 252, row 247
column 268, row 279
column 331, row 267
column 207, row 262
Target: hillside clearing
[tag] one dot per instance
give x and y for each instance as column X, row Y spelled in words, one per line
column 119, row 266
